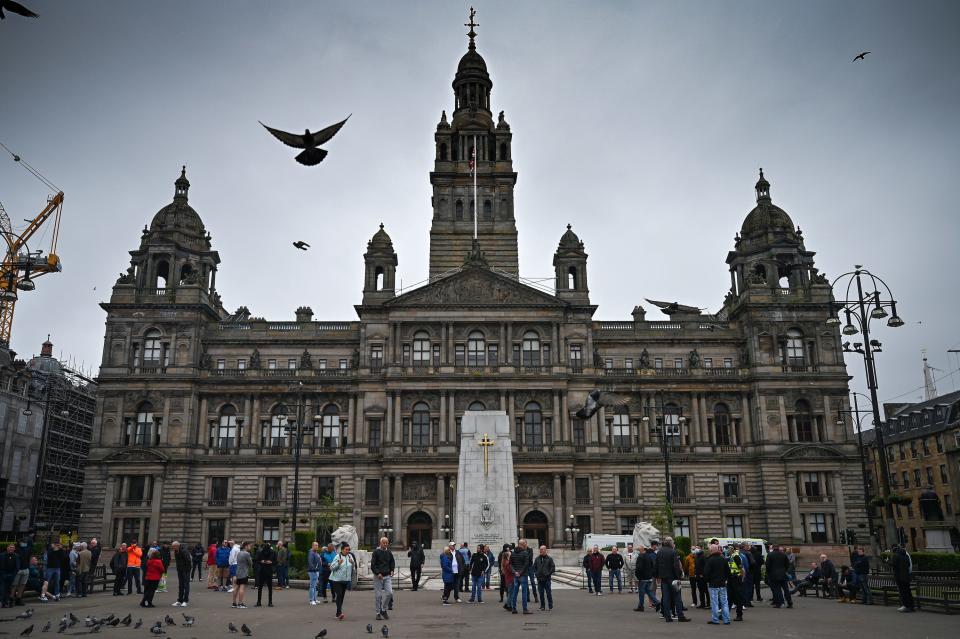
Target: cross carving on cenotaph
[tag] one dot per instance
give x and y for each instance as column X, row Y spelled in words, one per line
column 486, row 442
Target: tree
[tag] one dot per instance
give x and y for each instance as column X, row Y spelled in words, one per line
column 662, row 518
column 328, row 516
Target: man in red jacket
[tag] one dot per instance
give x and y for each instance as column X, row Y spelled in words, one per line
column 212, row 566
column 595, row 562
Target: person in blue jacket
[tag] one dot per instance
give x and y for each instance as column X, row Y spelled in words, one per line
column 326, row 560
column 449, row 577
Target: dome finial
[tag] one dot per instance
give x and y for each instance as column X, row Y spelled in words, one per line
column 763, row 188
column 472, row 34
column 181, row 186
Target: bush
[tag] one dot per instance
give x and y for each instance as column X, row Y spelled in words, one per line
column 936, row 561
column 298, row 560
column 302, row 540
column 682, row 545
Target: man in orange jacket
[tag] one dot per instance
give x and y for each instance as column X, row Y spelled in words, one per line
column 134, row 553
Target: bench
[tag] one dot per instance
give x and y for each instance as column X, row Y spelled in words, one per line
column 931, row 591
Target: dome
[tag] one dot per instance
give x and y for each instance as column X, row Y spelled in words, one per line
column 472, row 62
column 766, row 216
column 569, row 240
column 179, row 215
column 380, row 241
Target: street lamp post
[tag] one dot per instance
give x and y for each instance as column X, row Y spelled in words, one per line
column 295, row 429
column 857, row 309
column 573, row 530
column 386, row 530
column 446, row 530
column 858, row 415
column 664, row 447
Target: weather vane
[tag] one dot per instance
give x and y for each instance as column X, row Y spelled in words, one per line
column 472, row 24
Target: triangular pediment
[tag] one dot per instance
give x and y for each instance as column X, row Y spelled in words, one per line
column 475, row 287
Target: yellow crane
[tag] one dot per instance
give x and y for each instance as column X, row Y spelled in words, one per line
column 20, row 264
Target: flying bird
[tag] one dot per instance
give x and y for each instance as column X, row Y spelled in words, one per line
column 26, row 631
column 596, row 399
column 370, row 628
column 303, row 246
column 312, row 155
column 231, row 627
column 46, row 627
column 17, row 8
column 861, row 56
column 245, row 630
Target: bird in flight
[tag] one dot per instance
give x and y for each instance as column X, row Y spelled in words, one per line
column 303, row 246
column 17, row 8
column 312, row 155
column 595, row 400
column 861, row 56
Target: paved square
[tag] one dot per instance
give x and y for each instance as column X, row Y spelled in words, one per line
column 419, row 615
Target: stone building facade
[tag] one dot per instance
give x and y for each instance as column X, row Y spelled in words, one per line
column 193, row 402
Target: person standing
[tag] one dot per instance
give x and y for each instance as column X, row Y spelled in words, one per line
column 520, row 565
column 716, row 572
column 690, row 568
column 504, row 590
column 478, row 568
column 314, row 564
column 756, row 563
column 283, row 566
column 491, row 562
column 151, row 577
column 56, row 558
column 506, row 575
column 183, row 562
column 327, row 557
column 644, row 572
column 699, row 564
column 457, row 570
column 24, row 552
column 630, row 568
column 416, row 556
column 267, row 558
column 746, row 558
column 585, row 564
column 341, row 575
column 232, row 561
column 212, row 572
column 165, row 557
column 614, row 564
column 861, row 566
column 595, row 562
column 778, row 567
column 382, row 565
column 95, row 550
column 9, row 567
column 463, row 563
column 670, row 574
column 242, row 567
column 84, row 559
column 71, row 573
column 447, row 574
column 118, row 564
column 735, row 581
column 902, row 567
column 223, row 565
column 197, row 554
column 544, row 567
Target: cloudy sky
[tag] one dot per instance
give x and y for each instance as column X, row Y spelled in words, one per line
column 640, row 123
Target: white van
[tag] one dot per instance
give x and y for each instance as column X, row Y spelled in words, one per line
column 605, row 541
column 725, row 541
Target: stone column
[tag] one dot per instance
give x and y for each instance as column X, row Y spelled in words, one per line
column 557, row 414
column 762, row 426
column 253, row 422
column 200, row 431
column 556, row 345
column 508, row 355
column 443, row 344
column 452, row 417
column 362, row 436
column 571, row 501
column 597, row 523
column 397, row 499
column 557, row 512
column 443, row 417
column 783, row 416
column 511, row 413
column 452, row 507
column 397, row 431
column 108, row 497
column 794, row 505
column 385, row 497
column 156, row 498
column 565, row 418
column 602, row 426
column 747, row 421
column 838, row 500
column 387, row 429
column 352, row 418
column 441, row 504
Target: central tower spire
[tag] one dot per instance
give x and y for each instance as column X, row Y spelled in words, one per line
column 473, row 176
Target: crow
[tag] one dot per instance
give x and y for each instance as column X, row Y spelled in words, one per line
column 17, row 8
column 46, row 627
column 246, row 630
column 861, row 56
column 312, row 155
column 595, row 400
column 138, row 624
column 303, row 246
column 231, row 627
column 26, row 631
column 370, row 628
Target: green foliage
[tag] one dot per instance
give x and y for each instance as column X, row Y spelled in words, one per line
column 38, row 548
column 682, row 545
column 329, row 513
column 302, row 540
column 936, row 561
column 662, row 518
column 899, row 500
column 876, row 502
column 298, row 560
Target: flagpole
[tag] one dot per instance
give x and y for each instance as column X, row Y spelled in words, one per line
column 476, row 204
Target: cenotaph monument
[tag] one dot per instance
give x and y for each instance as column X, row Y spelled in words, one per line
column 486, row 501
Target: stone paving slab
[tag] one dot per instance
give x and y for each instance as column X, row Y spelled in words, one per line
column 419, row 615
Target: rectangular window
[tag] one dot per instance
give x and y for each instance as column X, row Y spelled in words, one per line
column 913, row 449
column 272, row 489
column 272, row 364
column 947, row 505
column 326, row 487
column 459, row 355
column 678, row 488
column 658, row 362
column 516, row 354
column 940, row 443
column 371, row 531
column 581, row 489
column 406, row 354
column 735, row 526
column 579, row 433
column 929, row 476
column 219, row 487
column 681, row 526
column 216, row 530
column 906, row 480
column 374, row 433
column 620, row 429
column 943, row 474
column 130, row 530
column 916, row 477
column 376, row 357
column 343, row 364
column 271, row 530
column 628, row 487
column 221, row 364
column 493, row 354
column 16, row 465
column 136, row 487
column 910, row 509
column 371, row 493
column 628, row 363
column 811, row 484
column 546, row 355
column 627, row 524
column 926, row 446
column 436, row 354
column 708, row 362
column 242, row 364
column 678, row 362
column 817, row 527
column 583, row 523
column 576, row 356
column 321, row 364
column 728, row 362
column 608, row 363
column 292, row 364
column 731, row 486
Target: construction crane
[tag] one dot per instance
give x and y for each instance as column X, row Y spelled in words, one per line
column 21, row 265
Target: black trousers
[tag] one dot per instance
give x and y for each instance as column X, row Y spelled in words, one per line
column 693, row 590
column 735, row 595
column 339, row 589
column 415, row 572
column 503, row 587
column 906, row 595
column 266, row 579
column 183, row 588
column 704, row 592
column 149, row 589
column 756, row 586
column 197, row 568
column 448, row 587
column 118, row 579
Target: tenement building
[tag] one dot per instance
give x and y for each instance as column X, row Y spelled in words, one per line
column 199, row 408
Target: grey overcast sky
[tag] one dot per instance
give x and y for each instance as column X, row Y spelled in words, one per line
column 641, row 123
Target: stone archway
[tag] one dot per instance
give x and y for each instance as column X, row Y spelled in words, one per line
column 420, row 529
column 535, row 526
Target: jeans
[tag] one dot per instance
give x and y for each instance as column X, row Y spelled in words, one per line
column 718, row 604
column 533, row 585
column 133, row 575
column 183, row 588
column 282, row 580
column 545, row 587
column 339, row 590
column 476, row 591
column 867, row 599
column 666, row 599
column 610, row 575
column 780, row 592
column 747, row 588
column 519, row 586
column 52, row 577
column 312, row 593
column 596, row 576
column 645, row 587
column 381, row 587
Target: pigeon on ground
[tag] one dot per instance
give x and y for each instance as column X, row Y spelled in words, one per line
column 303, row 246
column 595, row 400
column 167, row 619
column 157, row 629
column 861, row 56
column 321, row 634
column 370, row 628
column 384, row 630
column 126, row 620
column 231, row 627
column 46, row 627
column 245, row 629
column 312, row 155
column 114, row 622
column 26, row 631
column 73, row 619
column 187, row 620
column 17, row 8
column 26, row 614
column 138, row 624
column 63, row 626
column 89, row 621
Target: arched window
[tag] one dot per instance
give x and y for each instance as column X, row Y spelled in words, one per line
column 477, row 405
column 443, row 152
column 224, row 432
column 572, row 278
column 476, row 349
column 671, row 423
column 330, row 427
column 532, row 425
column 531, row 349
column 420, row 435
column 471, row 210
column 721, row 424
column 378, row 279
column 421, row 348
column 794, row 348
column 274, row 435
column 163, row 274
column 487, row 210
column 803, row 421
column 459, row 210
column 186, row 271
column 621, row 430
column 152, row 348
column 143, row 433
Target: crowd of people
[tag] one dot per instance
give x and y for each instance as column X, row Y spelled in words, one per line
column 725, row 580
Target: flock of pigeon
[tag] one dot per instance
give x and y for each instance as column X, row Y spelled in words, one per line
column 93, row 625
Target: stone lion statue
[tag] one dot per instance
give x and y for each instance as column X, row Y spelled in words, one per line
column 643, row 533
column 346, row 534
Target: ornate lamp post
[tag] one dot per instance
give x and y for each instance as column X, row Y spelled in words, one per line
column 446, row 530
column 573, row 531
column 858, row 415
column 858, row 312
column 295, row 429
column 386, row 530
column 658, row 408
